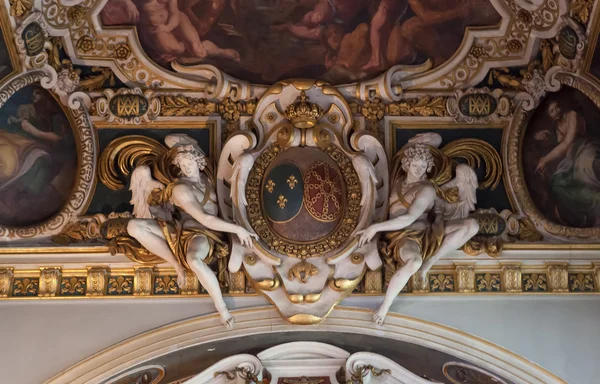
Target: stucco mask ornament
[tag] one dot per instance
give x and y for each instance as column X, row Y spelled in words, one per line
column 426, row 220
column 191, row 241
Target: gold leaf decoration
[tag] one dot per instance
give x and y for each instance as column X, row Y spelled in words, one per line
column 126, row 153
column 19, row 8
column 474, row 151
column 185, row 106
column 581, row 9
column 424, row 106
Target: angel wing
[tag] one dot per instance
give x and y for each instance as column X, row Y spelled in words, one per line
column 466, row 183
column 141, row 185
column 241, row 168
column 428, row 138
column 367, row 177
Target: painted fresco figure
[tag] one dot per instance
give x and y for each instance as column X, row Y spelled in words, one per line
column 190, row 241
column 37, row 162
column 426, row 221
column 575, row 183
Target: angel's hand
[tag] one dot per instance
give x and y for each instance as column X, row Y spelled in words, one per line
column 366, row 235
column 246, row 237
column 542, row 135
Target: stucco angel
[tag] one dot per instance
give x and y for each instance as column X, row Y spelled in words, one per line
column 426, row 220
column 178, row 221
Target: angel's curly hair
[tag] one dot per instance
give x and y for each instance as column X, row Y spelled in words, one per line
column 417, row 152
column 191, row 151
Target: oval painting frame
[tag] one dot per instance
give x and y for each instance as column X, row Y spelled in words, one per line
column 515, row 178
column 86, row 144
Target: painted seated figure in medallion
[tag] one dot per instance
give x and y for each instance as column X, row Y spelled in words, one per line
column 38, row 158
column 427, row 221
column 179, row 223
column 561, row 159
column 263, row 41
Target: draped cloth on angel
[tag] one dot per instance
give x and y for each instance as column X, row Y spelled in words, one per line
column 179, row 238
column 428, row 240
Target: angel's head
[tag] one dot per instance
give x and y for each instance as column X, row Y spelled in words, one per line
column 189, row 159
column 417, row 160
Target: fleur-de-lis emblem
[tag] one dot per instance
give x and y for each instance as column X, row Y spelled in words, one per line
column 292, row 181
column 281, row 201
column 270, row 186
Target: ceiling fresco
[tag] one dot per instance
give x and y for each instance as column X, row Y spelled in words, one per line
column 303, row 150
column 266, row 41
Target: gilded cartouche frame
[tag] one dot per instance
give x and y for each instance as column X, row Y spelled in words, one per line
column 86, row 141
column 512, row 156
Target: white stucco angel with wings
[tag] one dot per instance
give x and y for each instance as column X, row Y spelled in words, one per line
column 426, row 220
column 178, row 221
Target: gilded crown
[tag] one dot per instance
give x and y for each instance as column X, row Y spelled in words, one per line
column 302, row 113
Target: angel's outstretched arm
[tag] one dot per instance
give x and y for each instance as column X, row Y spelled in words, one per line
column 183, row 197
column 422, row 201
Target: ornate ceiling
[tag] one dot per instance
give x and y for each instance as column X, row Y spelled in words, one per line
column 301, row 113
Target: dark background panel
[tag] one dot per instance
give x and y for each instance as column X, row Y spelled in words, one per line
column 106, row 200
column 497, row 198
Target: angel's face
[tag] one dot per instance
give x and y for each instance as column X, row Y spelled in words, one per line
column 188, row 165
column 417, row 168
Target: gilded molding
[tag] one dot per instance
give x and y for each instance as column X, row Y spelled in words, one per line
column 50, row 281
column 237, row 282
column 191, row 286
column 374, row 282
column 465, row 278
column 558, row 278
column 6, row 281
column 96, row 281
column 511, row 278
column 417, row 285
column 142, row 281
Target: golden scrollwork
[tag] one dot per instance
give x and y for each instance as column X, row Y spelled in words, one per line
column 362, row 371
column 142, row 281
column 319, row 246
column 474, row 151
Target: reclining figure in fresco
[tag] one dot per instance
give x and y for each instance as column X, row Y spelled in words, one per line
column 426, row 220
column 179, row 223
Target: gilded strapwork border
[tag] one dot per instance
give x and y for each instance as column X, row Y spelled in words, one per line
column 518, row 192
column 85, row 182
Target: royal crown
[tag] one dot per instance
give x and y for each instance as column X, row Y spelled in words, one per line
column 302, row 113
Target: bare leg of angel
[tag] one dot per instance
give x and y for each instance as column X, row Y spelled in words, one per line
column 456, row 234
column 411, row 255
column 150, row 235
column 197, row 252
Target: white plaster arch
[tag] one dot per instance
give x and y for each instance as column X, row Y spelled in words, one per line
column 199, row 330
